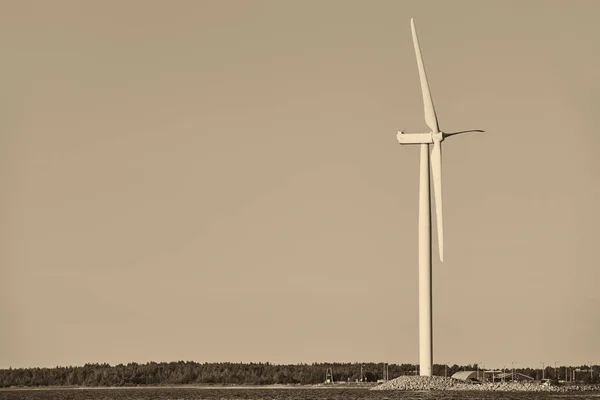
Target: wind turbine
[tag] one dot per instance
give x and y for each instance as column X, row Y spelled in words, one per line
column 435, row 137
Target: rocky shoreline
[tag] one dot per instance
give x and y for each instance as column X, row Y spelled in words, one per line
column 438, row 383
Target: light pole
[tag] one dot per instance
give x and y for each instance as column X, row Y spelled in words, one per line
column 555, row 373
column 513, row 371
column 543, row 368
column 591, row 373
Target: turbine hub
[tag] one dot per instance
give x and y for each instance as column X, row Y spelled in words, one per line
column 437, row 137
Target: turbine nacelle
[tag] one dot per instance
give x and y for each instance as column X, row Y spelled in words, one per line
column 428, row 138
column 420, row 138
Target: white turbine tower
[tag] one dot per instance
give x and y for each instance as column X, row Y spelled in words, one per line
column 434, row 137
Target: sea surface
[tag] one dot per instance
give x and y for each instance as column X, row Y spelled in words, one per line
column 271, row 394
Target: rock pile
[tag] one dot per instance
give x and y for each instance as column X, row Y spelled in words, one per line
column 423, row 383
column 417, row 383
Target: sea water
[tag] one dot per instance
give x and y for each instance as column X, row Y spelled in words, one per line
column 271, row 394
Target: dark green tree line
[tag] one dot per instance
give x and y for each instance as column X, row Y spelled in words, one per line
column 189, row 372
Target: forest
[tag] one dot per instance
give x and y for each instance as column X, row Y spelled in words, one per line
column 189, row 372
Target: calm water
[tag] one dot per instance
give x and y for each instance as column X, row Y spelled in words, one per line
column 270, row 394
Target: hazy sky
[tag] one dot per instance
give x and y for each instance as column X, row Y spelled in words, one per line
column 221, row 181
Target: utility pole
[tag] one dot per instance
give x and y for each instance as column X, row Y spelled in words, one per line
column 591, row 373
column 445, row 370
column 555, row 373
column 543, row 369
column 387, row 371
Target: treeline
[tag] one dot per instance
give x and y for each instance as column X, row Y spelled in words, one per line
column 188, row 372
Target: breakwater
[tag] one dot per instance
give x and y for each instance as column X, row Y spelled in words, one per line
column 438, row 383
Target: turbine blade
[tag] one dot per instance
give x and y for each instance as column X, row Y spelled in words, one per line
column 436, row 171
column 446, row 134
column 430, row 117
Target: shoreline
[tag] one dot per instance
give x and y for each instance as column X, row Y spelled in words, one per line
column 364, row 386
column 401, row 383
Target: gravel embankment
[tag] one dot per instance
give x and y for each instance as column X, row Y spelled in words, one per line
column 415, row 383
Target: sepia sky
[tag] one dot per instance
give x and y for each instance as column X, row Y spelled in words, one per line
column 221, row 181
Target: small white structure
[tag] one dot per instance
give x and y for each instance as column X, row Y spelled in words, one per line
column 467, row 376
column 435, row 137
column 329, row 376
